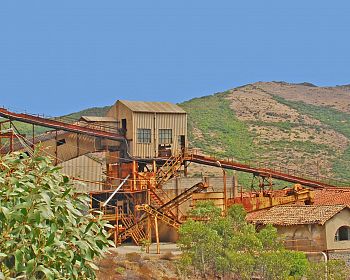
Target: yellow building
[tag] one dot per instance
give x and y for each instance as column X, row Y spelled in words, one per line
column 153, row 129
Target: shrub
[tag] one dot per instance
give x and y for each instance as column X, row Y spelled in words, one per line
column 46, row 230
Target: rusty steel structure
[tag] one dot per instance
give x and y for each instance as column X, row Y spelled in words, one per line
column 141, row 202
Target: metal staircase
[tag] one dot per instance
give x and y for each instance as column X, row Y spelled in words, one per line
column 158, row 197
column 133, row 229
column 169, row 169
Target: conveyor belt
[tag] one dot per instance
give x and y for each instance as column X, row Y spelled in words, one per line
column 26, row 118
column 264, row 172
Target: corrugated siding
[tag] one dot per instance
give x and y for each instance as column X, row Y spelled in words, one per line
column 69, row 150
column 84, row 168
column 178, row 124
column 119, row 111
column 155, row 121
column 143, row 120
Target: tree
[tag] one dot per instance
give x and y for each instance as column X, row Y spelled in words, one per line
column 336, row 270
column 233, row 248
column 200, row 243
column 46, row 231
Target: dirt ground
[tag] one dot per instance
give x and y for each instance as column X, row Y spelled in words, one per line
column 129, row 262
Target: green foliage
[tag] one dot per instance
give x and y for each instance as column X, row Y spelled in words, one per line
column 229, row 246
column 336, row 270
column 145, row 243
column 220, row 127
column 95, row 111
column 120, row 270
column 331, row 118
column 200, row 244
column 46, row 231
column 205, row 209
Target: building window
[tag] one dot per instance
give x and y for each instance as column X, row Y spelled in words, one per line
column 343, row 233
column 143, row 135
column 165, row 136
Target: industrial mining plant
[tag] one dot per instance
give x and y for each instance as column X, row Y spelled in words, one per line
column 134, row 164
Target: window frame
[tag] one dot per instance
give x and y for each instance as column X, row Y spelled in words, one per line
column 168, row 132
column 338, row 235
column 142, row 136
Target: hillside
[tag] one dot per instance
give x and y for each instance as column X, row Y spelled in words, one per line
column 297, row 126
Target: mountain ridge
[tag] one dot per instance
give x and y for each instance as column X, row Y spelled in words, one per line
column 300, row 126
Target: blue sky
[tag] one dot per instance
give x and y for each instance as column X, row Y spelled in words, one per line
column 58, row 57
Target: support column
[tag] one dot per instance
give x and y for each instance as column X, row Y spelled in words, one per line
column 149, row 224
column 0, row 137
column 157, row 234
column 56, row 150
column 225, row 192
column 116, row 235
column 176, row 194
column 116, row 230
column 11, row 138
column 134, row 171
column 235, row 185
column 78, row 148
column 154, row 166
column 33, row 137
column 149, row 234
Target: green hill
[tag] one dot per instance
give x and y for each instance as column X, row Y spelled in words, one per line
column 296, row 128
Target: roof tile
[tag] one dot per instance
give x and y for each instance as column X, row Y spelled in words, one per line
column 296, row 214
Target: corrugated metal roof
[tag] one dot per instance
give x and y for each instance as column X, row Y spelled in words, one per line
column 152, row 107
column 297, row 215
column 97, row 119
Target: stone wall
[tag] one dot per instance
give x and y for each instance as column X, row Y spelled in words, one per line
column 340, row 255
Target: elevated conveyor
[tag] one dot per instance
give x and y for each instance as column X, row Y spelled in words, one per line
column 262, row 172
column 58, row 125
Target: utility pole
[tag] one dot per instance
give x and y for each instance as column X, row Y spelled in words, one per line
column 225, row 191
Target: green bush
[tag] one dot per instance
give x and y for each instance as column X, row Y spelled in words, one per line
column 229, row 246
column 46, row 231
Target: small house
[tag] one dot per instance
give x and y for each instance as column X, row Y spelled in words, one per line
column 310, row 228
column 152, row 129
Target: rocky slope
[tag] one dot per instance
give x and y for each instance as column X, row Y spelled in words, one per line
column 297, row 126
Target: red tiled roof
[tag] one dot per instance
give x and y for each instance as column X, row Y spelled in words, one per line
column 296, row 214
column 332, row 196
